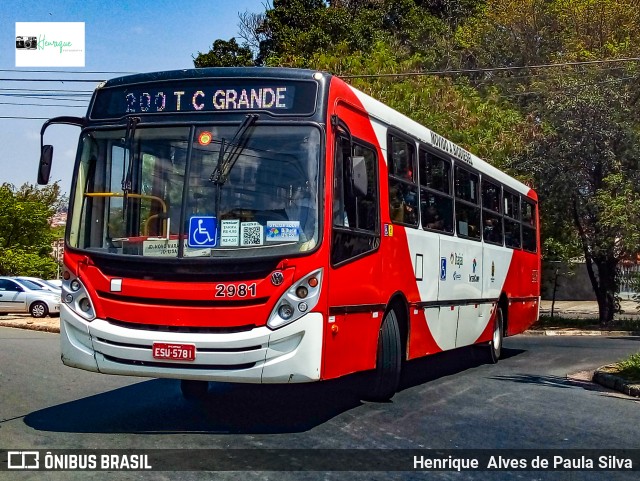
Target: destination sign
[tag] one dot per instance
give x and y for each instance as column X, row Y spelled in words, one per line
column 207, row 95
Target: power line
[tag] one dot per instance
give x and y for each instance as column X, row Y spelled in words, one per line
column 23, row 118
column 45, row 97
column 50, row 80
column 567, row 87
column 44, row 105
column 46, row 90
column 63, row 71
column 492, row 69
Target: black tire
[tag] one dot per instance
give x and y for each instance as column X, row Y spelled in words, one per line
column 193, row 390
column 39, row 309
column 386, row 376
column 494, row 349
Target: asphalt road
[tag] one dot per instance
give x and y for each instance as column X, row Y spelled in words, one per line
column 448, row 401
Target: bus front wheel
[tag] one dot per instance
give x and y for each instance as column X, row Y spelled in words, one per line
column 386, row 376
column 193, row 390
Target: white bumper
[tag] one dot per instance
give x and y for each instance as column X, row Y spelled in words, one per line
column 287, row 355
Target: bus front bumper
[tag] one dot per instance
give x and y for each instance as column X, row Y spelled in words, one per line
column 291, row 354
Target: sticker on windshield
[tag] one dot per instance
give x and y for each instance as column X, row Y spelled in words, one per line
column 283, row 231
column 202, row 231
column 251, row 234
column 160, row 248
column 229, row 233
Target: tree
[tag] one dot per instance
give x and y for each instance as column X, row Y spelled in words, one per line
column 586, row 169
column 25, row 237
column 225, row 54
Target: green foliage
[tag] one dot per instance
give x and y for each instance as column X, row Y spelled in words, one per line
column 570, row 132
column 586, row 167
column 630, row 368
column 225, row 54
column 25, row 237
column 21, row 262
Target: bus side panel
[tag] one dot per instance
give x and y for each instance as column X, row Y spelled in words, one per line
column 400, row 251
column 426, row 326
column 523, row 290
column 355, row 288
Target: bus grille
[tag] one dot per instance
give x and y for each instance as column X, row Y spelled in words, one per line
column 180, row 329
column 153, row 301
column 207, row 367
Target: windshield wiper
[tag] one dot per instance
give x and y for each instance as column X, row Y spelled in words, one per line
column 229, row 155
column 132, row 122
column 127, row 174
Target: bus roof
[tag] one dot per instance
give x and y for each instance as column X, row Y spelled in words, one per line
column 216, row 72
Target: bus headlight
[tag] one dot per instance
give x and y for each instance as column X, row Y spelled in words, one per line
column 299, row 299
column 75, row 296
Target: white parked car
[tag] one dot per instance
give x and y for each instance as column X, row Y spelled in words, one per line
column 26, row 296
column 46, row 285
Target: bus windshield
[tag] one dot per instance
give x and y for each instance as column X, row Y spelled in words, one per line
column 157, row 191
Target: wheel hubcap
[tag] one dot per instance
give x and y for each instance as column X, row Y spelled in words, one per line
column 496, row 335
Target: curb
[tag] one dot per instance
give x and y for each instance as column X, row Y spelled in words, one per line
column 33, row 326
column 618, row 383
column 578, row 332
column 580, row 314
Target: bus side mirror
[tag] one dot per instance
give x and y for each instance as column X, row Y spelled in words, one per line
column 44, row 169
column 359, row 173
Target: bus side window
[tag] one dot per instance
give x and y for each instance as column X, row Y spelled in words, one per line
column 403, row 188
column 529, row 237
column 467, row 204
column 491, row 213
column 436, row 201
column 512, row 235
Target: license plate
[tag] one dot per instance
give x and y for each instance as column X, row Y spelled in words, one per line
column 174, row 352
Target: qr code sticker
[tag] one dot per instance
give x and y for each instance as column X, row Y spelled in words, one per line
column 251, row 234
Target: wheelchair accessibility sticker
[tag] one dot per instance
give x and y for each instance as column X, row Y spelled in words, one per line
column 202, row 231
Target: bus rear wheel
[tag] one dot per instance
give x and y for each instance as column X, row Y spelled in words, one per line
column 495, row 345
column 386, row 376
column 193, row 390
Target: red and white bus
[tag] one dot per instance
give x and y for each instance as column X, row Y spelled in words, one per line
column 267, row 225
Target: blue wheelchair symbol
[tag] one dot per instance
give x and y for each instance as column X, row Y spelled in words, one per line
column 443, row 268
column 202, row 231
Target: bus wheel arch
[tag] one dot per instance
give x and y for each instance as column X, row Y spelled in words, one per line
column 400, row 306
column 503, row 304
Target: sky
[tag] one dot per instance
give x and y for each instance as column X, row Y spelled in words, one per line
column 121, row 37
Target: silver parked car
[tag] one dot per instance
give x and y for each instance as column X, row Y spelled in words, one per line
column 46, row 285
column 26, row 296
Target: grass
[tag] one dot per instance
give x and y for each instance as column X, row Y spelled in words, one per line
column 630, row 368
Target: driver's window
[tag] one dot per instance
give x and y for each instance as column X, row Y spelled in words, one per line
column 115, row 222
column 355, row 213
